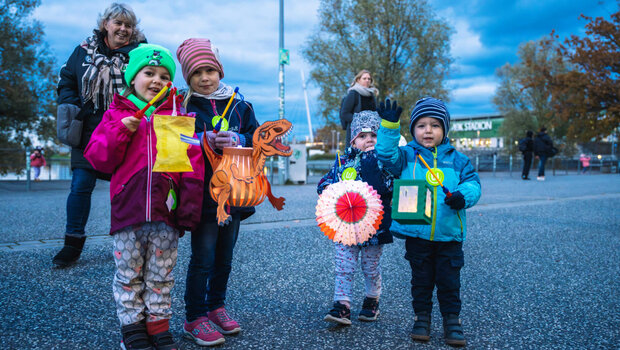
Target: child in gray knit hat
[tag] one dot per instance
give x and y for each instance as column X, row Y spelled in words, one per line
column 362, row 157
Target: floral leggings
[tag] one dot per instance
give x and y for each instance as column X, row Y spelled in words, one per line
column 145, row 255
column 346, row 263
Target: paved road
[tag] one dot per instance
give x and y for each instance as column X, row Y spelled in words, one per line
column 542, row 271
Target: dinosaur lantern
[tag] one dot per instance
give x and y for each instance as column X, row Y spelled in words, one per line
column 238, row 179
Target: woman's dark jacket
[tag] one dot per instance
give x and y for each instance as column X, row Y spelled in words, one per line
column 354, row 103
column 69, row 91
column 241, row 120
column 543, row 146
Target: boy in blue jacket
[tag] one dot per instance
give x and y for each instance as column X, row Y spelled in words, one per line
column 435, row 251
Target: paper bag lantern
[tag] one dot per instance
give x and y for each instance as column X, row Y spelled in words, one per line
column 171, row 151
column 412, row 202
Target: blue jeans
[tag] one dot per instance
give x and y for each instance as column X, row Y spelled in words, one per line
column 209, row 267
column 541, row 165
column 78, row 203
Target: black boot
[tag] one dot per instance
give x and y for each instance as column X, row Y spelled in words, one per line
column 135, row 337
column 422, row 327
column 453, row 330
column 70, row 253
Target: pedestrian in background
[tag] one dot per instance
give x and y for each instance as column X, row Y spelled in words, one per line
column 88, row 81
column 435, row 251
column 149, row 210
column 363, row 158
column 36, row 162
column 526, row 146
column 585, row 162
column 361, row 96
column 543, row 150
column 212, row 245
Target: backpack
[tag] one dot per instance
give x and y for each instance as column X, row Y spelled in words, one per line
column 523, row 144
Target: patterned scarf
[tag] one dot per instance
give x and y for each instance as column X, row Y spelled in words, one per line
column 104, row 76
column 223, row 92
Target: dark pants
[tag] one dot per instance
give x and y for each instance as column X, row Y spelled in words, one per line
column 435, row 264
column 209, row 267
column 527, row 163
column 541, row 165
column 78, row 203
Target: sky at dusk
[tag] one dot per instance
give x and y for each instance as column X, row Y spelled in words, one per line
column 487, row 35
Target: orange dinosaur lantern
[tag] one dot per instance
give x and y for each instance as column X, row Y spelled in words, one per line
column 238, row 179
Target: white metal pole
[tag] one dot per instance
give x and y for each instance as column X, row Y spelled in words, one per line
column 303, row 85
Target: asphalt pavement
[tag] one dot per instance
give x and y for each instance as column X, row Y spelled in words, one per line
column 542, row 271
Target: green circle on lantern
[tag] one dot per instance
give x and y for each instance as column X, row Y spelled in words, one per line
column 349, row 174
column 216, row 119
column 431, row 179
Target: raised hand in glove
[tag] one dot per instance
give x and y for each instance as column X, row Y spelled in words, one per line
column 226, row 139
column 390, row 111
column 456, row 201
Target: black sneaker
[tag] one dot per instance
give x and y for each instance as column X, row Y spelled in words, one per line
column 453, row 330
column 164, row 341
column 370, row 310
column 340, row 314
column 135, row 337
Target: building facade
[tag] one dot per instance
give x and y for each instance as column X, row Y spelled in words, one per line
column 476, row 132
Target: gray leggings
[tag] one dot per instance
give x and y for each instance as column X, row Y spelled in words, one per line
column 346, row 262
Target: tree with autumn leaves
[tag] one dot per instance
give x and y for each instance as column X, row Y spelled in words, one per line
column 587, row 98
column 570, row 87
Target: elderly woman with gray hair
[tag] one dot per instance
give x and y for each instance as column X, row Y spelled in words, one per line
column 88, row 81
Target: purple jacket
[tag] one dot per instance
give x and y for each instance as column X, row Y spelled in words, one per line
column 137, row 193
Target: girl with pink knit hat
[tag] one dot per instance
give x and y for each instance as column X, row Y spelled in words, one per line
column 212, row 245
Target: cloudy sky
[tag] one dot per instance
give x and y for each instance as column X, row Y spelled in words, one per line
column 487, row 34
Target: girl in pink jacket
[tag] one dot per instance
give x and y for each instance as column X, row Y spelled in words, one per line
column 150, row 210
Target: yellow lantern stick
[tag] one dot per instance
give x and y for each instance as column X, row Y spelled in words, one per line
column 445, row 190
column 141, row 112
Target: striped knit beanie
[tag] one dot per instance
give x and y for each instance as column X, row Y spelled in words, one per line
column 196, row 53
column 433, row 108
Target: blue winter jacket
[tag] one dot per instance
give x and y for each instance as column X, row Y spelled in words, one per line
column 458, row 175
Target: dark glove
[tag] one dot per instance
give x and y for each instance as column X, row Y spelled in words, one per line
column 456, row 202
column 390, row 112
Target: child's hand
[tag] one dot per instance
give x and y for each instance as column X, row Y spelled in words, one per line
column 456, row 202
column 390, row 112
column 210, row 139
column 226, row 139
column 131, row 123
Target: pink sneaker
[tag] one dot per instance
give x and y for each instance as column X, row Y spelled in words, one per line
column 222, row 319
column 202, row 332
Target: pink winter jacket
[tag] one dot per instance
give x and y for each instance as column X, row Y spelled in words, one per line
column 137, row 193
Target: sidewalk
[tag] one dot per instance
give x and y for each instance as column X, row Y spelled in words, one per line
column 541, row 271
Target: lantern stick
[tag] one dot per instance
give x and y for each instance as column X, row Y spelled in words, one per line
column 338, row 154
column 218, row 126
column 445, row 190
column 141, row 112
column 230, row 101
